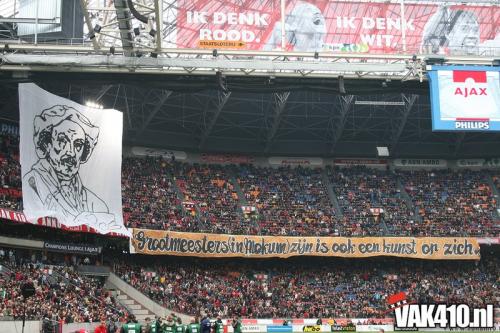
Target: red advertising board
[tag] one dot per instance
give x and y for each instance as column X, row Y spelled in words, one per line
column 338, row 26
column 50, row 222
column 13, row 192
column 226, row 158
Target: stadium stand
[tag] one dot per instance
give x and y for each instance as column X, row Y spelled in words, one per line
column 310, row 288
column 237, row 120
column 447, row 201
column 290, row 201
column 360, row 189
column 215, row 200
column 10, row 173
column 143, row 179
column 496, row 180
column 60, row 292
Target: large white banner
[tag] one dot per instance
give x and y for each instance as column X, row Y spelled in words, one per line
column 70, row 161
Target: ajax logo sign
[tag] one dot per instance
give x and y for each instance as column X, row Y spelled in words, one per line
column 466, row 85
column 410, row 316
column 479, row 78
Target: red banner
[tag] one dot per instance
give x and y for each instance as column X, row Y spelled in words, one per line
column 11, row 215
column 7, row 214
column 338, row 26
column 11, row 192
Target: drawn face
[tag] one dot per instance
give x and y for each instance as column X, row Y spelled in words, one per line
column 66, row 149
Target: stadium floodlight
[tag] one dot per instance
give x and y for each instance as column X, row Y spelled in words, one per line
column 152, row 32
column 97, row 28
column 92, row 104
column 379, row 103
column 383, row 152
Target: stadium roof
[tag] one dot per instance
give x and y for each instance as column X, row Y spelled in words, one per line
column 264, row 115
column 241, row 101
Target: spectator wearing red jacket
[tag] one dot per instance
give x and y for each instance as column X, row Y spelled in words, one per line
column 102, row 327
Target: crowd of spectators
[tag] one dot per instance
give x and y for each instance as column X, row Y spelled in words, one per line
column 289, row 201
column 209, row 193
column 370, row 199
column 496, row 180
column 10, row 173
column 311, row 288
column 61, row 294
column 149, row 195
column 453, row 203
column 295, row 288
column 163, row 194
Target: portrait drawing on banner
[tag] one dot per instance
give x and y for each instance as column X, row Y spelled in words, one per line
column 64, row 139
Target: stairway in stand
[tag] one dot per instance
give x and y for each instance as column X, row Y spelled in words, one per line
column 135, row 308
column 138, row 303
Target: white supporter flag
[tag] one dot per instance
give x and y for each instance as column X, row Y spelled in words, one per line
column 70, row 161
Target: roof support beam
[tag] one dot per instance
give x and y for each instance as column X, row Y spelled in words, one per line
column 103, row 92
column 159, row 23
column 124, row 18
column 163, row 98
column 346, row 103
column 86, row 15
column 405, row 112
column 279, row 103
column 127, row 109
column 222, row 98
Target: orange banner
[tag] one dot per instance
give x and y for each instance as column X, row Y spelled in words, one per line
column 220, row 44
column 157, row 242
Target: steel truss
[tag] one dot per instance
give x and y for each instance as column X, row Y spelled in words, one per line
column 144, row 28
column 84, row 59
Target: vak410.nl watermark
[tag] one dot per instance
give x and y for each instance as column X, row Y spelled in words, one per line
column 410, row 316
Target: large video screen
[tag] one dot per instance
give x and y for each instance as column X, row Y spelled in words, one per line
column 465, row 98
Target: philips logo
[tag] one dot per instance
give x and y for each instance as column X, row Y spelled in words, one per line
column 472, row 124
